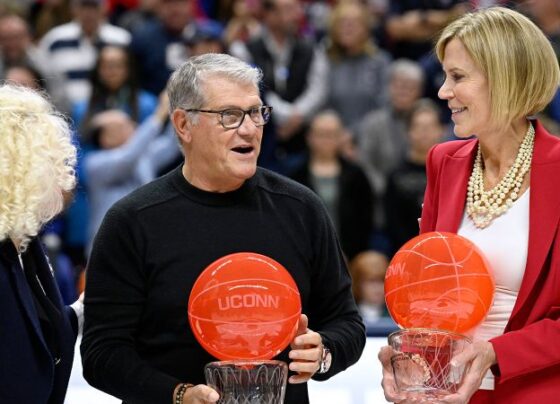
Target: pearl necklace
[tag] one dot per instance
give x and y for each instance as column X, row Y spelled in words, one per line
column 484, row 206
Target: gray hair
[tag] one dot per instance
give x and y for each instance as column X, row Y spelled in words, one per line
column 184, row 86
column 407, row 68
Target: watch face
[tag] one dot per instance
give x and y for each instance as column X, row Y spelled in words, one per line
column 325, row 360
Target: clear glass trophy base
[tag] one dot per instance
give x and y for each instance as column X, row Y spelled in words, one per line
column 248, row 382
column 421, row 363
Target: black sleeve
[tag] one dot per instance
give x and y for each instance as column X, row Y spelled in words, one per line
column 332, row 309
column 114, row 300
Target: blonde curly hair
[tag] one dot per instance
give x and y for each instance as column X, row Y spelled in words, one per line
column 37, row 160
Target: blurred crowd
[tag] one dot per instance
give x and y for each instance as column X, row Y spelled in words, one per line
column 353, row 85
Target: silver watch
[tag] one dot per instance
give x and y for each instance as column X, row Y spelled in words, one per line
column 326, row 359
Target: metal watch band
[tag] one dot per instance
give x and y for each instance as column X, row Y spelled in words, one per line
column 324, row 365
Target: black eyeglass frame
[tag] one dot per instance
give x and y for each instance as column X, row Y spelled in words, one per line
column 221, row 112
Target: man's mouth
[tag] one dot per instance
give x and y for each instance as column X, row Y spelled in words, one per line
column 243, row 149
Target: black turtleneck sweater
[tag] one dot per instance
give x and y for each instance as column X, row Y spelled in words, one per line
column 152, row 246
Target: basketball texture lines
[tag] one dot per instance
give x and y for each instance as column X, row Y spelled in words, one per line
column 439, row 280
column 244, row 306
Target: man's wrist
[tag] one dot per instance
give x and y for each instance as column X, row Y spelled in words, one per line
column 180, row 391
column 326, row 360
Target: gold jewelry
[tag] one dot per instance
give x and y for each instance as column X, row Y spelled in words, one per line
column 484, row 206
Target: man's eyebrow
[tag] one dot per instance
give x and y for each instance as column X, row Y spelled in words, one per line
column 229, row 106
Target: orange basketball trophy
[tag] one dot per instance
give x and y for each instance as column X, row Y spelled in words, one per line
column 437, row 287
column 244, row 309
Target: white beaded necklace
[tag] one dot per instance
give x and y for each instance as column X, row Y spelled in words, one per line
column 484, row 206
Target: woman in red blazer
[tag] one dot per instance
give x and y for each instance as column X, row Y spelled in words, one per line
column 504, row 183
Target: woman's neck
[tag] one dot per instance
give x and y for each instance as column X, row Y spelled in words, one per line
column 499, row 150
column 325, row 167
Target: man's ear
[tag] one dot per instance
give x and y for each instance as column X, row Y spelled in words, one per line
column 182, row 125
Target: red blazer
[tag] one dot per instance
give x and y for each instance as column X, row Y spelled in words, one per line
column 529, row 351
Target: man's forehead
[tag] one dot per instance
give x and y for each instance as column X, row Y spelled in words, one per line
column 223, row 90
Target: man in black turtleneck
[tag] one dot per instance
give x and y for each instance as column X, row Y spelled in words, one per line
column 154, row 243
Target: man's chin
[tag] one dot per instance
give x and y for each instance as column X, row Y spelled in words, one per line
column 246, row 172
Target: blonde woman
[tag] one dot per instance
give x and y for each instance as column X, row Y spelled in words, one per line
column 37, row 333
column 500, row 189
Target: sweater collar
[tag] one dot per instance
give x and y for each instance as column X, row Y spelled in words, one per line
column 214, row 198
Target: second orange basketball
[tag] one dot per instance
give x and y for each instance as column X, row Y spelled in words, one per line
column 439, row 280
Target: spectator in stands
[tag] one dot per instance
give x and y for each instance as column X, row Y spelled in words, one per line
column 44, row 15
column 242, row 21
column 136, row 18
column 295, row 75
column 359, row 71
column 158, row 45
column 207, row 37
column 70, row 50
column 17, row 49
column 407, row 183
column 382, row 138
column 412, row 24
column 68, row 54
column 546, row 14
column 125, row 157
column 114, row 86
column 368, row 276
column 15, row 43
column 341, row 184
column 25, row 75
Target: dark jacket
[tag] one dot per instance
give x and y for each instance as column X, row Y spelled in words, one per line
column 37, row 334
column 355, row 205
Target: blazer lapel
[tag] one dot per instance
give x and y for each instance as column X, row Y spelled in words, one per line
column 24, row 292
column 45, row 273
column 455, row 174
column 544, row 210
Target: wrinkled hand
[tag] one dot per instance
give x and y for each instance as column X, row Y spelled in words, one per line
column 200, row 394
column 307, row 349
column 390, row 390
column 477, row 359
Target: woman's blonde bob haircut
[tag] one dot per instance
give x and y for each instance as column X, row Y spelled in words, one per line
column 37, row 160
column 516, row 57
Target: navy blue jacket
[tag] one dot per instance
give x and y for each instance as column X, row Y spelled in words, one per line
column 31, row 371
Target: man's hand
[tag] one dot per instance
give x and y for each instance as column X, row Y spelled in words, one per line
column 306, row 353
column 199, row 394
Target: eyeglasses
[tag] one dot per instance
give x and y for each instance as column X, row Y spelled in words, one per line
column 232, row 118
